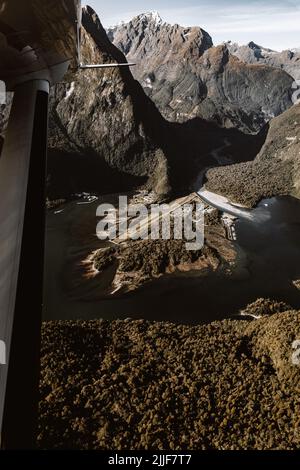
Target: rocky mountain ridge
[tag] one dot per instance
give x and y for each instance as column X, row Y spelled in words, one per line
column 106, row 135
column 288, row 60
column 103, row 129
column 187, row 77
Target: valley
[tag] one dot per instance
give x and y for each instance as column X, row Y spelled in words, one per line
column 145, row 344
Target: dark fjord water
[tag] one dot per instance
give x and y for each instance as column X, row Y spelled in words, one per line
column 270, row 243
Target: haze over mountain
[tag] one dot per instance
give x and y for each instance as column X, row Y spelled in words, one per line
column 187, row 77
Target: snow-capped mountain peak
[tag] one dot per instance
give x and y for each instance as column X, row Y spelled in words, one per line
column 153, row 16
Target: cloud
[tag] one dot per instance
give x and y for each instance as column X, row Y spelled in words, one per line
column 273, row 22
column 255, row 16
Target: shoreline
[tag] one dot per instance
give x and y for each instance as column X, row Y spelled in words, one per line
column 74, row 291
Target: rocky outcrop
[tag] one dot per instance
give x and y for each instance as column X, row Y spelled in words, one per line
column 104, row 131
column 106, row 135
column 251, row 53
column 275, row 171
column 241, row 95
column 156, row 46
column 187, row 77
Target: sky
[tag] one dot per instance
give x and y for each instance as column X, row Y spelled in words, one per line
column 270, row 23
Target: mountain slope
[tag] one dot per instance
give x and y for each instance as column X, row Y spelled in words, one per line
column 103, row 128
column 187, row 77
column 229, row 385
column 275, row 171
column 146, row 37
column 254, row 54
column 106, row 135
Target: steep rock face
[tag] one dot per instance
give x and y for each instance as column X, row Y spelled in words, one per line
column 254, row 54
column 103, row 128
column 187, row 77
column 147, row 40
column 106, row 135
column 241, row 95
column 275, row 171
